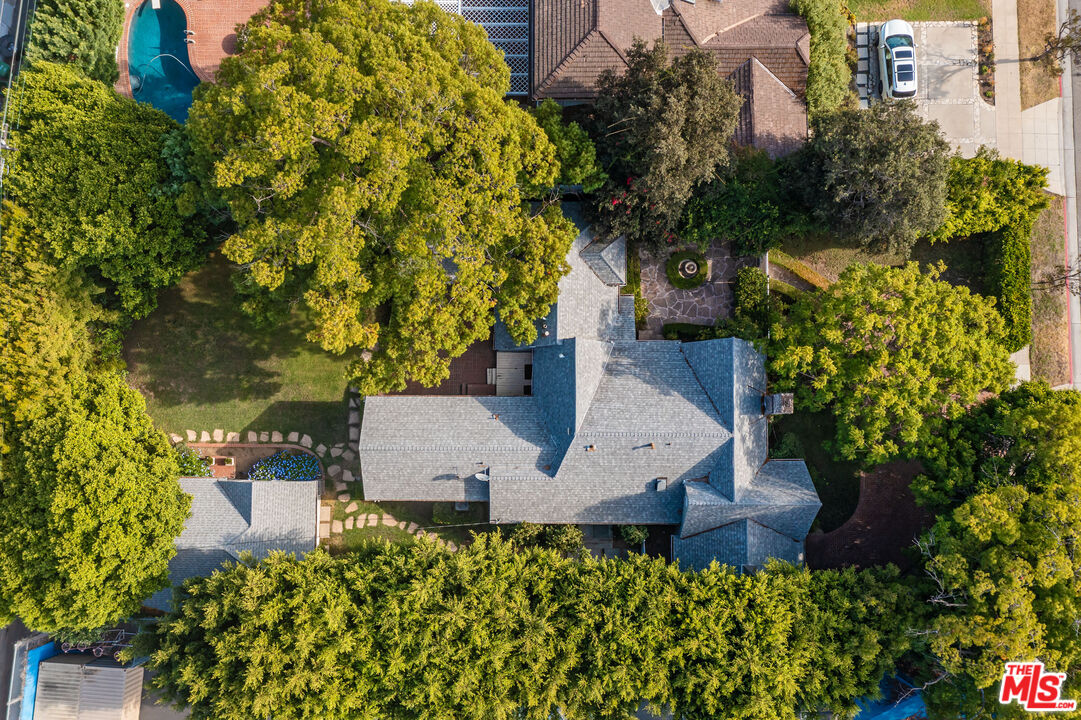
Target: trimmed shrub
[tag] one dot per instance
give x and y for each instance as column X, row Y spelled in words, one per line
column 634, row 285
column 754, row 312
column 671, row 269
column 283, row 465
column 987, row 192
column 828, row 76
column 687, row 332
column 799, row 269
column 1009, row 280
column 785, row 290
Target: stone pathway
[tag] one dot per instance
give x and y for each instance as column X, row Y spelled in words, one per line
column 339, row 459
column 703, row 305
column 357, row 520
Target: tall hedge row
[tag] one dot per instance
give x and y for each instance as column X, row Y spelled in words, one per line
column 497, row 633
column 1008, row 279
column 828, row 76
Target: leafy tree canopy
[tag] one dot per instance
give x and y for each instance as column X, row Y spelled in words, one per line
column 875, row 177
column 494, row 631
column 1002, row 558
column 89, row 508
column 575, row 152
column 373, row 167
column 46, row 321
column 664, row 128
column 988, row 192
column 893, row 352
column 84, row 34
column 89, row 171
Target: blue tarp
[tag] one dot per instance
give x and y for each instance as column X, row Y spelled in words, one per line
column 30, row 683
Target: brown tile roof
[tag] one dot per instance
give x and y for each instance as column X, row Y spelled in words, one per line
column 772, row 118
column 575, row 40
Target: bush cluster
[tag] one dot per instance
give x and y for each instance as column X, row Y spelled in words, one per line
column 753, row 311
column 283, row 465
column 828, row 76
column 192, row 463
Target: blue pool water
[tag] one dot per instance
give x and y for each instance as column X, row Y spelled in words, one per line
column 158, row 62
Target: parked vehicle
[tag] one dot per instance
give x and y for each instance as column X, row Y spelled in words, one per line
column 897, row 59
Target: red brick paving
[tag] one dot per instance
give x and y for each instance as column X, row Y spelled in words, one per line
column 214, row 23
column 885, row 524
column 468, row 374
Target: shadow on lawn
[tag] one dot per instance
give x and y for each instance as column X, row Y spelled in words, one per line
column 199, row 347
column 326, row 422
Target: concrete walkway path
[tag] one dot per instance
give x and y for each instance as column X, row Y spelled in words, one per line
column 1008, row 125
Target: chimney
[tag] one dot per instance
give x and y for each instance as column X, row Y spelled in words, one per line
column 778, row 404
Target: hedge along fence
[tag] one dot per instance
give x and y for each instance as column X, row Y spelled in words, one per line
column 799, row 269
column 828, row 76
column 784, row 289
column 1008, row 279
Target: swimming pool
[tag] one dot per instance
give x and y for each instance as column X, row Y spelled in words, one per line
column 158, row 62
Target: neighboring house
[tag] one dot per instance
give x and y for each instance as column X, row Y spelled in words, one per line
column 759, row 44
column 591, row 426
column 229, row 517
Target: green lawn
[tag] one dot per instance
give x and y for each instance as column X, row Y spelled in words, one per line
column 438, row 518
column 919, row 10
column 837, row 482
column 201, row 364
column 963, row 257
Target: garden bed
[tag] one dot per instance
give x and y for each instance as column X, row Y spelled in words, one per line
column 245, row 454
column 1049, row 354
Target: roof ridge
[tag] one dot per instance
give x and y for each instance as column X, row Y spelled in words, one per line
column 775, row 78
column 569, row 57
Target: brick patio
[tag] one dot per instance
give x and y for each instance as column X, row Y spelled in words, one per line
column 703, row 304
column 214, row 23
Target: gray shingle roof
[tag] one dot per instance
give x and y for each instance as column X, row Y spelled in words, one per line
column 232, row 516
column 741, row 544
column 616, row 432
column 589, row 304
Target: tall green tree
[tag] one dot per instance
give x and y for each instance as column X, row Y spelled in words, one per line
column 89, row 508
column 90, row 172
column 373, row 167
column 1002, row 559
column 84, row 34
column 664, row 128
column 47, row 322
column 575, row 151
column 875, row 177
column 495, row 631
column 893, row 353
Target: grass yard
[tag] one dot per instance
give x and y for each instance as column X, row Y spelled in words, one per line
column 963, row 259
column 806, row 435
column 1039, row 82
column 1049, row 353
column 440, row 519
column 201, row 365
column 918, row 10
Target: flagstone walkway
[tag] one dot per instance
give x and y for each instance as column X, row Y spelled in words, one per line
column 357, row 518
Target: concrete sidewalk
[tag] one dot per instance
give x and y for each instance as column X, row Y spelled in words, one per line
column 1007, row 79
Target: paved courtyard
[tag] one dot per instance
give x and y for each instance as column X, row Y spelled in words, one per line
column 702, row 305
column 949, row 91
